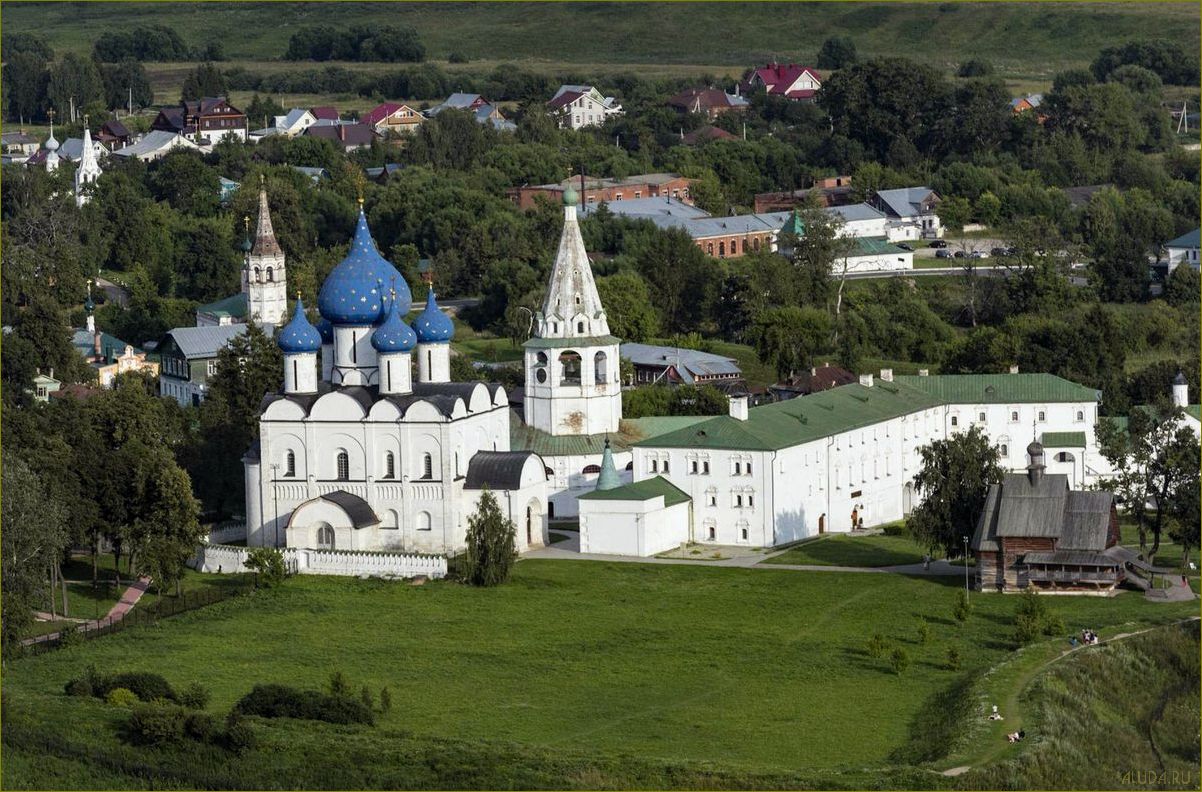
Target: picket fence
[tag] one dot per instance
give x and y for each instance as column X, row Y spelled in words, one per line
column 230, row 559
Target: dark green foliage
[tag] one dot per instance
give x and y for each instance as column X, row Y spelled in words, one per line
column 1168, row 59
column 955, row 476
column 963, row 608
column 953, row 658
column 673, row 400
column 1183, row 287
column 838, row 52
column 1033, row 619
column 78, row 687
column 975, row 68
column 200, row 726
column 26, row 44
column 925, row 633
column 490, row 553
column 360, row 43
column 281, row 701
column 268, row 562
column 877, row 646
column 896, row 529
column 146, row 685
column 194, row 696
column 206, row 80
column 239, row 737
column 366, row 698
column 385, row 699
column 899, row 660
column 141, row 43
column 156, row 724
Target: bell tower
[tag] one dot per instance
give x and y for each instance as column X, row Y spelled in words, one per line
column 572, row 367
column 264, row 279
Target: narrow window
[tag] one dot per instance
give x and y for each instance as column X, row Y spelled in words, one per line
column 749, row 467
column 354, row 348
column 1080, row 415
column 1014, row 416
column 654, row 465
column 955, row 421
column 290, row 464
column 424, row 522
column 427, row 466
column 389, row 466
column 981, row 417
column 693, row 466
column 344, row 466
column 712, row 533
column 743, row 533
column 1005, row 450
column 1042, row 416
column 705, row 467
column 665, row 466
column 270, row 277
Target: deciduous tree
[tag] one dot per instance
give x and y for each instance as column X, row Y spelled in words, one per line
column 954, row 479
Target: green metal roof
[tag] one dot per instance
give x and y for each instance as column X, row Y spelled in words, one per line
column 655, row 425
column 231, row 306
column 788, row 423
column 1063, row 440
column 1000, row 388
column 1195, row 410
column 874, row 246
column 557, row 343
column 641, row 491
column 527, row 438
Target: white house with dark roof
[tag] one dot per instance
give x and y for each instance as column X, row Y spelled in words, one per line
column 909, row 212
column 1184, row 250
column 579, row 106
column 677, row 366
column 188, row 357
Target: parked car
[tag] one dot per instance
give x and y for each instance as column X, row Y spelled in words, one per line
column 943, row 254
column 937, row 243
column 959, row 254
column 904, row 246
column 1011, row 251
column 998, row 252
column 979, row 254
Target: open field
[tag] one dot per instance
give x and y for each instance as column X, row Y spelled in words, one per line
column 674, row 670
column 1051, row 35
column 853, row 551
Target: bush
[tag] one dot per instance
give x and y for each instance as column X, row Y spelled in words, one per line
column 899, row 660
column 924, row 632
column 194, row 696
column 268, row 562
column 338, row 685
column 239, row 737
column 877, row 645
column 156, row 724
column 458, row 57
column 281, row 701
column 70, row 635
column 366, row 697
column 78, row 687
column 896, row 529
column 121, row 697
column 145, row 685
column 1026, row 629
column 1033, row 619
column 385, row 699
column 953, row 659
column 200, row 726
column 962, row 608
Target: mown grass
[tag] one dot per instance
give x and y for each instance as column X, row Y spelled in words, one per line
column 660, row 675
column 853, row 551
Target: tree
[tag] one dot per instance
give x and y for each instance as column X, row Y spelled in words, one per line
column 819, row 248
column 1183, row 286
column 186, row 183
column 838, row 52
column 164, row 527
column 788, row 338
column 26, row 79
column 268, row 562
column 975, row 67
column 1155, row 459
column 954, row 213
column 206, row 80
column 124, row 83
column 74, row 80
column 982, row 350
column 680, row 277
column 954, row 478
column 491, row 552
column 628, row 306
column 34, row 538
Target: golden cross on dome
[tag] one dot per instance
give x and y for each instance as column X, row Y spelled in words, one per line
column 262, row 179
column 246, row 222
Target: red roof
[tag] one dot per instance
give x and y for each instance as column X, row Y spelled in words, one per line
column 380, row 112
column 700, row 99
column 325, row 113
column 705, row 133
column 565, row 98
column 781, row 75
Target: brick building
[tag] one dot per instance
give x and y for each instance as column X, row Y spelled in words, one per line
column 594, row 190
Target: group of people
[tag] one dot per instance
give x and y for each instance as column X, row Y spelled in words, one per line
column 1088, row 637
column 1016, row 736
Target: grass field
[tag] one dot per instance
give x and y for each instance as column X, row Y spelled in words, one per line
column 610, row 668
column 1026, row 40
column 853, row 551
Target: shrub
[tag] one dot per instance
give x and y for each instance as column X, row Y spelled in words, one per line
column 145, row 685
column 194, row 696
column 1026, row 629
column 78, row 687
column 457, row 57
column 924, row 632
column 268, row 562
column 338, row 685
column 877, row 645
column 239, row 737
column 1033, row 619
column 385, row 699
column 121, row 697
column 156, row 724
column 69, row 635
column 200, row 726
column 896, row 529
column 953, row 658
column 899, row 660
column 366, row 697
column 490, row 544
column 962, row 608
column 281, row 701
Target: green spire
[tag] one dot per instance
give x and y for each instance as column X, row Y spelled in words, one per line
column 794, row 225
column 609, row 478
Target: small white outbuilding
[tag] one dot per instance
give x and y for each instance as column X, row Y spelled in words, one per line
column 638, row 519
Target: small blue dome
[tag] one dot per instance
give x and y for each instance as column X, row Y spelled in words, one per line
column 432, row 325
column 327, row 331
column 393, row 335
column 352, row 294
column 299, row 335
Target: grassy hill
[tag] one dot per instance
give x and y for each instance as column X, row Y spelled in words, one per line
column 1023, row 39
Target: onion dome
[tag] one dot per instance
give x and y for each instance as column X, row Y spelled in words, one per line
column 1035, row 449
column 432, row 325
column 393, row 335
column 299, row 335
column 570, row 198
column 51, row 144
column 1180, row 379
column 352, row 294
column 326, row 330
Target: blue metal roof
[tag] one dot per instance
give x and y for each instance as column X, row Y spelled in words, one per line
column 432, row 325
column 299, row 335
column 394, row 335
column 1191, row 240
column 353, row 294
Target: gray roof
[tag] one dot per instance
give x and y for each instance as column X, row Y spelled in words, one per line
column 1079, row 521
column 294, row 115
column 1191, row 240
column 498, row 470
column 853, row 212
column 456, row 101
column 702, row 227
column 153, row 141
column 689, row 363
column 72, row 149
column 904, row 202
column 1072, row 558
column 204, row 342
column 443, row 396
column 1032, row 509
column 360, row 512
column 648, row 207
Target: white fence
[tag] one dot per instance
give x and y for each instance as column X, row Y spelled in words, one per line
column 227, row 532
column 224, row 558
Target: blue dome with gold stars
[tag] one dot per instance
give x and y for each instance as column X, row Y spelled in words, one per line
column 432, row 325
column 393, row 335
column 327, row 331
column 299, row 335
column 353, row 294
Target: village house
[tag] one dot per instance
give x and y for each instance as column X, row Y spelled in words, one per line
column 1183, row 250
column 910, row 213
column 817, row 379
column 1022, row 104
column 710, row 102
column 188, row 358
column 484, row 111
column 578, row 106
column 705, row 134
column 399, row 119
column 790, row 80
column 113, row 134
column 206, row 121
column 44, row 385
column 348, row 137
column 595, row 190
column 662, row 365
column 325, row 113
column 18, row 147
column 155, row 145
column 291, row 124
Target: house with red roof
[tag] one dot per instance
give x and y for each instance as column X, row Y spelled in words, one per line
column 710, row 101
column 325, row 113
column 705, row 134
column 790, row 80
column 393, row 117
column 578, row 106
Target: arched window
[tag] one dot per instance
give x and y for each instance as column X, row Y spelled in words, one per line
column 427, row 466
column 600, row 368
column 270, row 275
column 290, row 464
column 1014, row 415
column 344, row 466
column 549, row 472
column 580, row 327
column 1042, row 416
column 423, row 521
column 325, row 537
column 1080, row 415
column 1004, row 450
column 709, row 248
column 256, row 274
column 389, row 465
column 591, row 470
column 722, row 249
column 630, row 465
column 755, row 243
column 569, row 368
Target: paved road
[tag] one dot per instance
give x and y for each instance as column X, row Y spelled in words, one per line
column 984, row 269
column 967, row 245
column 123, row 606
column 112, row 292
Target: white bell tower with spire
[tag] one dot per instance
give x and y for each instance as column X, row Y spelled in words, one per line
column 264, row 278
column 89, row 169
column 573, row 384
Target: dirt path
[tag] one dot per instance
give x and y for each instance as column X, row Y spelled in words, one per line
column 116, row 613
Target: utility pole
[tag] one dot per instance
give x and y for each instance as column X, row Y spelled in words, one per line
column 275, row 466
column 131, row 99
column 966, row 566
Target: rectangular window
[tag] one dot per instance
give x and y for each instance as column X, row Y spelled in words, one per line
column 743, row 534
column 665, row 466
column 693, row 466
column 705, row 467
column 713, row 500
column 749, row 467
column 751, row 501
column 738, row 501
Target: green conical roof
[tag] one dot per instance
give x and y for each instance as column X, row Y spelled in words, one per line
column 609, row 478
column 794, row 225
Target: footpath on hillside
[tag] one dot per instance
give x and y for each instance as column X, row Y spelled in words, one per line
column 123, row 606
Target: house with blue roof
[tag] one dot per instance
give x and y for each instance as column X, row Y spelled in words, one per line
column 1183, row 250
column 910, row 213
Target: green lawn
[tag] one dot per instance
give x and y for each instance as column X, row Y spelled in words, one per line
column 862, row 551
column 734, row 670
